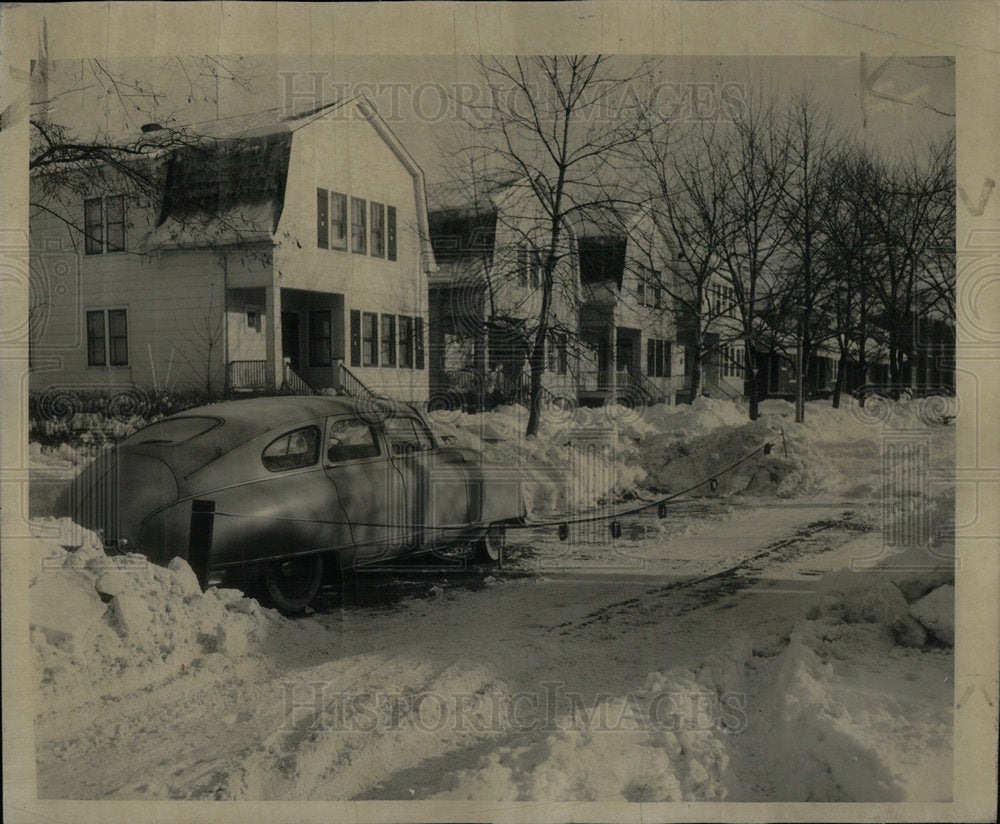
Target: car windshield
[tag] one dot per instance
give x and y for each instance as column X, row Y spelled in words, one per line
column 174, row 430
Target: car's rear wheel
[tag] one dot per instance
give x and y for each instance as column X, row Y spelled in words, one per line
column 489, row 548
column 294, row 582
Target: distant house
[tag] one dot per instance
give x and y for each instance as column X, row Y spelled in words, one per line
column 724, row 353
column 627, row 325
column 280, row 252
column 485, row 299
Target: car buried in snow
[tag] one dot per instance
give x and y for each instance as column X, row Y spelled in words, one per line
column 270, row 492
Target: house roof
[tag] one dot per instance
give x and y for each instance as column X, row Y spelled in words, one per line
column 463, row 234
column 230, row 185
column 220, row 175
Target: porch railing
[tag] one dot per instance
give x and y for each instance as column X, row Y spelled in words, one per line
column 350, row 384
column 653, row 392
column 294, row 382
column 246, row 375
column 598, row 380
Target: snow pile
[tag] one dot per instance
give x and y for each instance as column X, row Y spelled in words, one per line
column 853, row 704
column 118, row 622
column 793, row 467
column 667, row 741
column 568, row 467
column 862, row 692
column 60, row 457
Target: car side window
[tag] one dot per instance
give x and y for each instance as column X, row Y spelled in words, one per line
column 350, row 440
column 406, row 435
column 292, row 450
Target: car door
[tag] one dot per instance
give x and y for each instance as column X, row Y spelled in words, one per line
column 370, row 488
column 438, row 503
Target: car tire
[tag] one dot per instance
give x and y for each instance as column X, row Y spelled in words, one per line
column 489, row 548
column 293, row 583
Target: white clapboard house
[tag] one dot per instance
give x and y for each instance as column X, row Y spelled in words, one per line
column 271, row 253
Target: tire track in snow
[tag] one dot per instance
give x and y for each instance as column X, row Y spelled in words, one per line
column 706, row 589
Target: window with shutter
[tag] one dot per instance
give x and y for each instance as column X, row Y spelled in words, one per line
column 338, row 220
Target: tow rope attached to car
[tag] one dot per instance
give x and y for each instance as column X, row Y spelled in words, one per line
column 562, row 524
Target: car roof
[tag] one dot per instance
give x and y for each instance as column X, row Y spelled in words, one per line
column 244, row 420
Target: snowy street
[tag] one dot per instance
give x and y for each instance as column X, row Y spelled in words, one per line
column 714, row 654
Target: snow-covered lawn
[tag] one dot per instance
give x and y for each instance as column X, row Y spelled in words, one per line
column 759, row 643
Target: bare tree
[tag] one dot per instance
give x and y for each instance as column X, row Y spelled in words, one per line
column 133, row 126
column 910, row 203
column 206, row 334
column 850, row 255
column 753, row 236
column 678, row 179
column 551, row 124
column 812, row 140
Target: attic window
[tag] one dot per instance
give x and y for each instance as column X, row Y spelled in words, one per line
column 338, row 220
column 104, row 224
column 359, row 227
column 378, row 229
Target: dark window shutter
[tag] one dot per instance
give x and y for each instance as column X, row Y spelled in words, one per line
column 419, row 335
column 322, row 219
column 391, row 231
column 355, row 337
column 667, row 358
column 650, row 356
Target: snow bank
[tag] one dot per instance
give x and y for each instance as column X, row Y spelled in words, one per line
column 666, row 741
column 670, row 448
column 115, row 623
column 793, row 467
column 569, row 467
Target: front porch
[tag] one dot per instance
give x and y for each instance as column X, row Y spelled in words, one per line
column 293, row 340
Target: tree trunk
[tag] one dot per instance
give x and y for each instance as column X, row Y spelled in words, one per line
column 753, row 400
column 862, row 369
column 537, row 362
column 841, row 377
column 695, row 380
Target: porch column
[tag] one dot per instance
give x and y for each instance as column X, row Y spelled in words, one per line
column 274, row 373
column 612, row 379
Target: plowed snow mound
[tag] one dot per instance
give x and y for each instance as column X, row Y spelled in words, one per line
column 843, row 708
column 793, row 467
column 667, row 741
column 113, row 624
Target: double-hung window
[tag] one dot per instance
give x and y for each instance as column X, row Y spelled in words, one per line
column 338, row 220
column 369, row 339
column 104, row 224
column 359, row 226
column 377, row 229
column 406, row 342
column 388, row 340
column 107, row 337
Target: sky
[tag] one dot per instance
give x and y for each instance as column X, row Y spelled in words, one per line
column 908, row 99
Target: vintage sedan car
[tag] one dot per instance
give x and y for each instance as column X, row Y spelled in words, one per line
column 272, row 490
